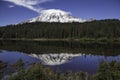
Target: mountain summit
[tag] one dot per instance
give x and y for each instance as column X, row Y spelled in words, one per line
column 55, row 15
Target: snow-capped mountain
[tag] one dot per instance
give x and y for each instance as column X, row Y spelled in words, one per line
column 55, row 15
column 55, row 59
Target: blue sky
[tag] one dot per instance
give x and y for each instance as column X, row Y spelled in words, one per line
column 16, row 11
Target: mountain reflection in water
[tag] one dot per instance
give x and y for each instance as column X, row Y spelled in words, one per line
column 62, row 55
column 73, row 62
column 55, row 59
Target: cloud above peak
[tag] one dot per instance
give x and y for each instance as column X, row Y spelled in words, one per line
column 30, row 4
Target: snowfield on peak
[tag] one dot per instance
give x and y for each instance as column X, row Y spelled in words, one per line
column 55, row 15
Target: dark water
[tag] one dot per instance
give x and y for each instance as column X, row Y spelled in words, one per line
column 74, row 56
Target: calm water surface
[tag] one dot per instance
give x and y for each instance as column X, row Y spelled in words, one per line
column 74, row 56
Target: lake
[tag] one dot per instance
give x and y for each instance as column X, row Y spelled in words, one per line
column 63, row 55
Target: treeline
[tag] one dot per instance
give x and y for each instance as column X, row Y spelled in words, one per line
column 37, row 71
column 109, row 28
column 106, row 71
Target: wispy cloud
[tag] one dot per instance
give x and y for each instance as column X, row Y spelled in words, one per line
column 30, row 4
column 11, row 6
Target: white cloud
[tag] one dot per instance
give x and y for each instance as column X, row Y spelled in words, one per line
column 30, row 4
column 11, row 6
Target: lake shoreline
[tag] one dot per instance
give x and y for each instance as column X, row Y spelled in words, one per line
column 67, row 39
